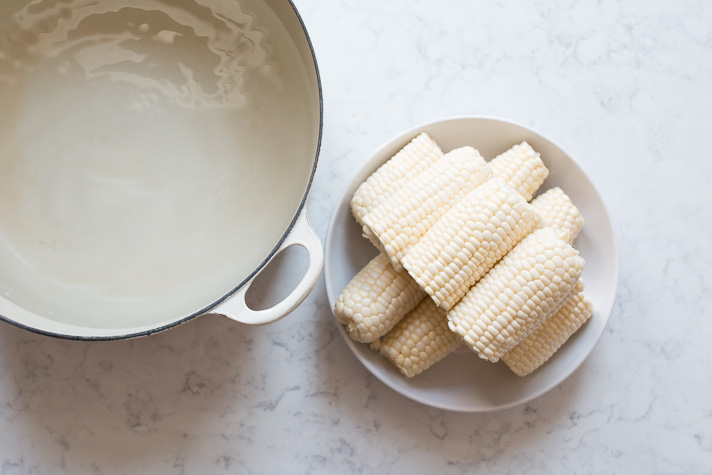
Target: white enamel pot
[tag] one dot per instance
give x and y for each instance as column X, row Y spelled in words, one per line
column 154, row 158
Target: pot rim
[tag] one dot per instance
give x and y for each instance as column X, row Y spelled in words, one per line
column 207, row 308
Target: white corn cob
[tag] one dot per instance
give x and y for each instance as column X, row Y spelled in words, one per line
column 540, row 345
column 376, row 299
column 393, row 306
column 558, row 211
column 522, row 168
column 411, row 160
column 419, row 340
column 402, row 219
column 468, row 240
column 535, row 326
column 517, row 293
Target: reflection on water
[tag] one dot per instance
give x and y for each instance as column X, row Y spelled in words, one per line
column 147, row 43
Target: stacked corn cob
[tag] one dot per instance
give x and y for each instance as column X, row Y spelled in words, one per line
column 376, row 299
column 410, row 161
column 419, row 340
column 399, row 221
column 397, row 292
column 517, row 294
column 469, row 240
column 501, row 273
column 542, row 342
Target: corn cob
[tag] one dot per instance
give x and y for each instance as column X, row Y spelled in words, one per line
column 535, row 326
column 519, row 291
column 468, row 240
column 401, row 220
column 540, row 345
column 522, row 168
column 411, row 160
column 419, row 340
column 557, row 211
column 375, row 300
column 394, row 308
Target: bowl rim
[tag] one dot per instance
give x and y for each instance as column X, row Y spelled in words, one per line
column 371, row 165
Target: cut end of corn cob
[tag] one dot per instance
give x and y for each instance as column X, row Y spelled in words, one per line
column 468, row 240
column 368, row 234
column 419, row 340
column 540, row 345
column 536, row 325
column 401, row 220
column 411, row 160
column 558, row 211
column 518, row 292
column 376, row 299
column 522, row 168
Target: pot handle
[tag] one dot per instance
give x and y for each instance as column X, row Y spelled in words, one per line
column 303, row 235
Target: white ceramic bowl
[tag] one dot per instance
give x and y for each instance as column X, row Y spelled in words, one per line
column 462, row 381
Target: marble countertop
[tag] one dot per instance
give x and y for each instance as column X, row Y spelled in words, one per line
column 624, row 87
